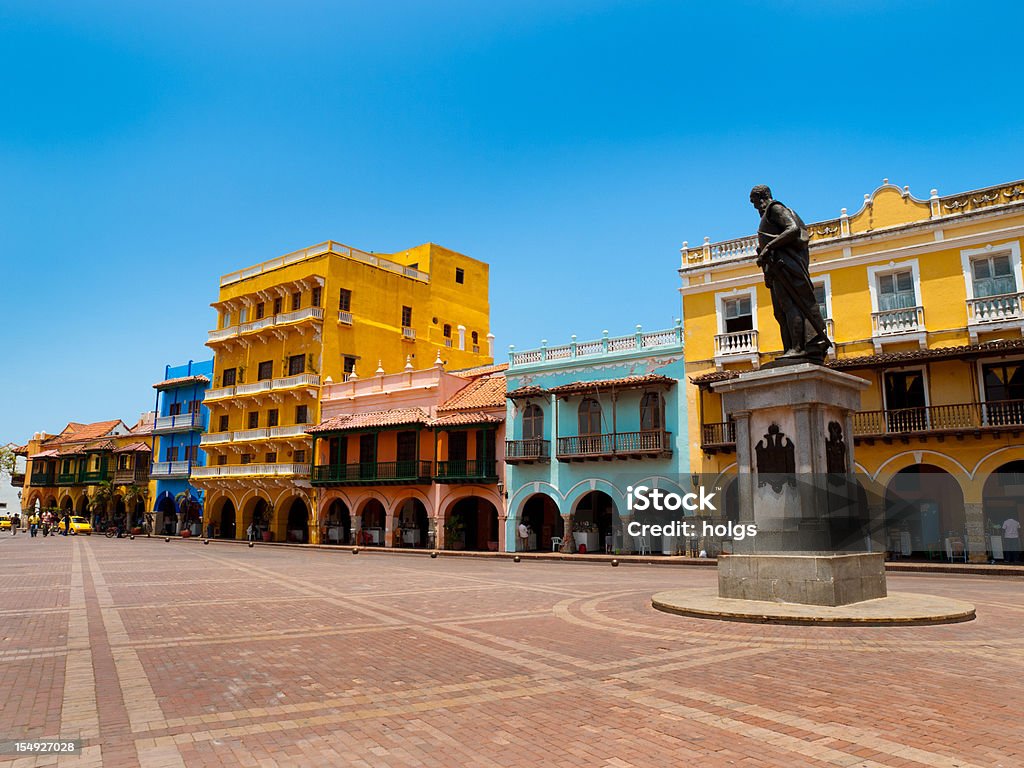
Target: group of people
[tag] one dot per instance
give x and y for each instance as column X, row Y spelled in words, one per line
column 48, row 522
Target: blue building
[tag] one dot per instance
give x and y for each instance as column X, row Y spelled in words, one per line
column 585, row 422
column 181, row 419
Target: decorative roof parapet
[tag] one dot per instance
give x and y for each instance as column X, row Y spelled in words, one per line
column 636, row 342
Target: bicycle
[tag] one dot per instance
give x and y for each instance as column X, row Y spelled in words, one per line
column 113, row 531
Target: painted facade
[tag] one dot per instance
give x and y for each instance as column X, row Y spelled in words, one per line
column 181, row 420
column 412, row 459
column 923, row 298
column 585, row 421
column 287, row 325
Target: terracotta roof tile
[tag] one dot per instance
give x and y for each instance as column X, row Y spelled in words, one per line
column 486, row 392
column 134, row 448
column 480, row 370
column 390, row 418
column 463, row 418
column 53, row 452
column 80, row 432
column 182, row 381
column 626, row 382
column 530, row 390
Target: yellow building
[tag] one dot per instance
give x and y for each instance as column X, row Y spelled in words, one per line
column 923, row 298
column 286, row 326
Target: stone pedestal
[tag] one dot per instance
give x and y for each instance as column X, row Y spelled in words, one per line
column 794, row 455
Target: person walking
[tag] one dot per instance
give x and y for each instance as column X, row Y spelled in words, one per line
column 65, row 524
column 33, row 524
column 524, row 536
column 1011, row 539
column 15, row 524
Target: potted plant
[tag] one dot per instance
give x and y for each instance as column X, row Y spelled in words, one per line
column 584, row 534
column 454, row 529
column 268, row 520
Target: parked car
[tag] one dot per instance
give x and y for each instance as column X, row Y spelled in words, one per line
column 5, row 523
column 80, row 525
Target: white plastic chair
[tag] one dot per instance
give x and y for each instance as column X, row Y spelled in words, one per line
column 556, row 543
column 643, row 547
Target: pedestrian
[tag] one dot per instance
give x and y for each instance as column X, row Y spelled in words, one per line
column 524, row 536
column 65, row 524
column 1011, row 539
column 15, row 524
column 250, row 532
column 33, row 524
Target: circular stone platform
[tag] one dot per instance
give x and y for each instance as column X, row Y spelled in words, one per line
column 898, row 608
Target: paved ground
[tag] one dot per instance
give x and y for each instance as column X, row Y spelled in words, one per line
column 181, row 654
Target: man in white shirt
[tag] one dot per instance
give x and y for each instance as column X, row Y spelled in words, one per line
column 1011, row 539
column 524, row 536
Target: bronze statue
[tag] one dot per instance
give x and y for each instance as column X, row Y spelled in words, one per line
column 784, row 257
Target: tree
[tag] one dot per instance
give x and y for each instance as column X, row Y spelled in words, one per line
column 8, row 461
column 101, row 497
column 133, row 496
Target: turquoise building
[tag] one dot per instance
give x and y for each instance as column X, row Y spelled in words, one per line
column 585, row 422
column 180, row 422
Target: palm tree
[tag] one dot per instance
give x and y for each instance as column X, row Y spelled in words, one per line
column 133, row 496
column 101, row 498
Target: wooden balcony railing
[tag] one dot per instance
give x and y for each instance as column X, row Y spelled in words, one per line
column 130, row 476
column 615, row 445
column 718, row 433
column 527, row 451
column 373, row 472
column 67, row 478
column 42, row 478
column 466, row 470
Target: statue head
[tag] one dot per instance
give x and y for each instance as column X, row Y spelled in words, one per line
column 760, row 196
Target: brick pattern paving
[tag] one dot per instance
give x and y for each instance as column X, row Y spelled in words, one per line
column 179, row 654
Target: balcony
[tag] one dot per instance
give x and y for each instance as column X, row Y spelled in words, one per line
column 467, row 471
column 296, row 430
column 634, row 342
column 249, row 470
column 222, row 334
column 67, row 478
column 408, row 334
column 736, row 343
column 17, row 480
column 615, row 445
column 896, row 322
column 256, row 325
column 250, row 434
column 264, row 385
column 219, row 393
column 527, row 451
column 298, row 315
column 181, row 422
column 718, row 436
column 94, row 476
column 344, row 317
column 216, row 438
column 373, row 473
column 137, row 476
column 40, row 479
column 169, row 469
column 990, row 312
column 298, row 380
column 257, row 386
column 960, row 418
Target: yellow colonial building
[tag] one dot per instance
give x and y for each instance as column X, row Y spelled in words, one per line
column 923, row 299
column 286, row 327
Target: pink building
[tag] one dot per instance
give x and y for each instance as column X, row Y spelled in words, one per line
column 413, row 459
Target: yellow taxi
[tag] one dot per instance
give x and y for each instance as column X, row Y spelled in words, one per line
column 5, row 523
column 80, row 525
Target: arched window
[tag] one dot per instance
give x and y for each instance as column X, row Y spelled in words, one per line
column 590, row 417
column 533, row 422
column 651, row 412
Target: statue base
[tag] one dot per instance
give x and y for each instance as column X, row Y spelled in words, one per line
column 810, row 579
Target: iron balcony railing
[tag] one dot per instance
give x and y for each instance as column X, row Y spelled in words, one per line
column 615, row 444
column 363, row 473
column 533, row 449
column 467, row 469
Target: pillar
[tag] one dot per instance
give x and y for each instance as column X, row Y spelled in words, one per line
column 974, row 517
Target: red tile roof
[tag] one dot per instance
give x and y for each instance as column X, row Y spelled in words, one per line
column 134, row 448
column 626, row 382
column 464, row 418
column 75, row 432
column 480, row 370
column 181, row 381
column 530, row 390
column 486, row 392
column 46, row 454
column 394, row 417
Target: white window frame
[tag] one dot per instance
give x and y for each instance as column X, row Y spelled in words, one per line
column 979, row 372
column 968, row 255
column 876, row 271
column 721, row 298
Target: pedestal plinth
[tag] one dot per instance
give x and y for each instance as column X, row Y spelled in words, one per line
column 808, row 579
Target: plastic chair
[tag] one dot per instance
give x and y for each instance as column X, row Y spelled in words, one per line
column 643, row 547
column 556, row 543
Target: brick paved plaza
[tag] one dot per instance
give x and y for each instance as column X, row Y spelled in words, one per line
column 181, row 654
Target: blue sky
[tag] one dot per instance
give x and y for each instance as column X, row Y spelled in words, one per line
column 148, row 148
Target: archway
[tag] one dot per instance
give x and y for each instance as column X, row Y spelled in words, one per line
column 472, row 524
column 1004, row 511
column 82, row 506
column 68, row 505
column 374, row 523
column 413, row 523
column 540, row 513
column 298, row 522
column 166, row 515
column 258, row 516
column 226, row 530
column 594, row 522
column 338, row 524
column 924, row 513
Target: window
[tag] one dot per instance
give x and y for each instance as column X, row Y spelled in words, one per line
column 302, row 414
column 896, row 291
column 193, row 406
column 300, row 457
column 277, row 306
column 407, row 317
column 227, row 377
column 122, row 461
column 246, row 458
column 651, row 412
column 993, row 276
column 222, row 460
column 349, row 364
column 448, row 333
column 1003, row 381
column 475, row 338
column 272, row 417
column 737, row 314
column 819, row 296
column 315, row 300
column 265, row 370
column 457, row 446
column 223, row 423
column 460, row 276
column 271, row 457
column 171, row 454
column 225, row 320
column 905, row 401
column 345, row 300
column 589, row 416
column 533, row 422
column 296, row 365
column 191, row 452
column 174, row 409
column 254, row 419
column 259, row 310
column 406, row 446
column 296, row 300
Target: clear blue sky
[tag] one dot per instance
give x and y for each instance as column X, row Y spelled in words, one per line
column 147, row 148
